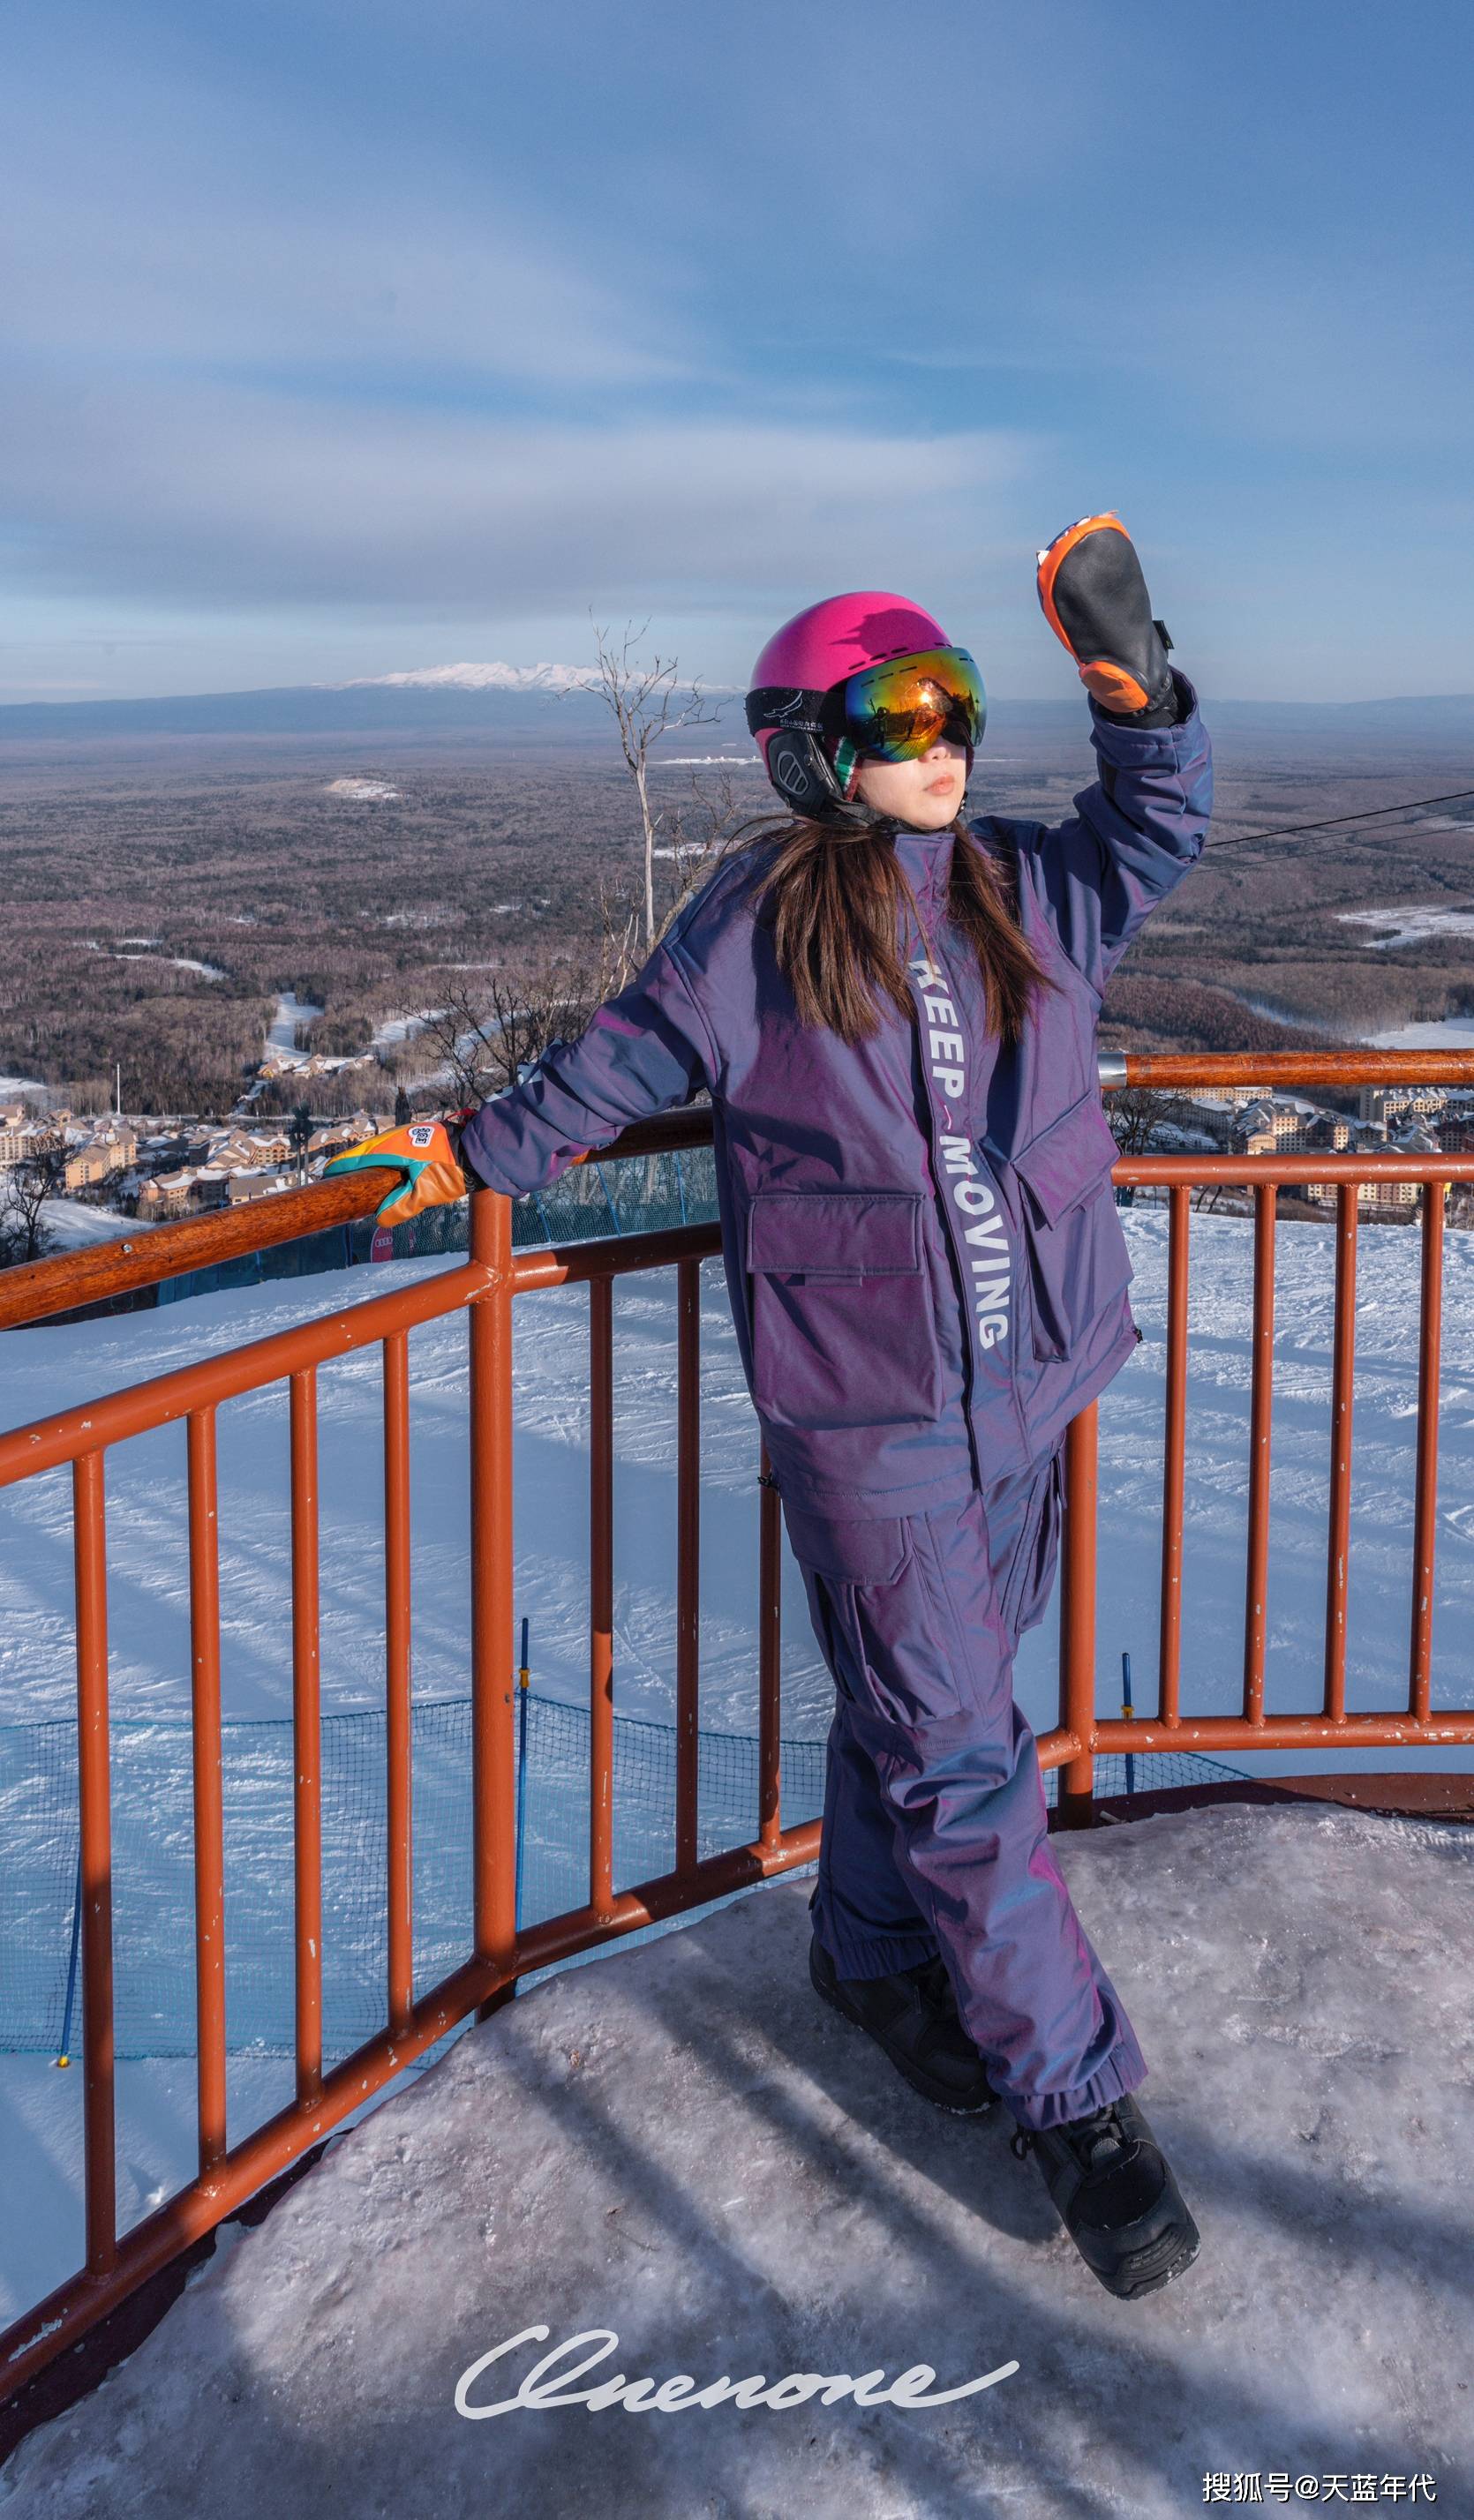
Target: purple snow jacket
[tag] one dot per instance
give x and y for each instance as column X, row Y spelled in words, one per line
column 927, row 1270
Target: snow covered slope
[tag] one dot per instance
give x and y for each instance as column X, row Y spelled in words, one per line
column 679, row 2144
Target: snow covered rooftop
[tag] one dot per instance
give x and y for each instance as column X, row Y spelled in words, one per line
column 677, row 2143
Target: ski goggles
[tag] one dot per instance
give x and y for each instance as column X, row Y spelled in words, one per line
column 897, row 711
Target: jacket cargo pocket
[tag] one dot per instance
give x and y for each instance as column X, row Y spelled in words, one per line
column 845, row 1564
column 842, row 1324
column 1030, row 1571
column 1077, row 1258
column 847, row 1548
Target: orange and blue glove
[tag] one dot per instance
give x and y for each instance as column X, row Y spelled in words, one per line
column 427, row 1154
column 1095, row 601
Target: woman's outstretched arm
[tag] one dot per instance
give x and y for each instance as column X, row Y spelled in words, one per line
column 644, row 1051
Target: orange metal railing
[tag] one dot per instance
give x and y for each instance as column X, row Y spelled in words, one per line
column 1082, row 1735
column 484, row 1288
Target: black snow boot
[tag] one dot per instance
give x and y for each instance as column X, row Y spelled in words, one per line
column 912, row 2014
column 1116, row 2196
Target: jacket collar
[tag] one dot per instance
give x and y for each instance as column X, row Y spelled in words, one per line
column 925, row 858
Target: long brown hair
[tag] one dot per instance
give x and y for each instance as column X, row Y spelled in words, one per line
column 833, row 897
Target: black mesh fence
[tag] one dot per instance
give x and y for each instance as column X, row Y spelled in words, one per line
column 153, row 1857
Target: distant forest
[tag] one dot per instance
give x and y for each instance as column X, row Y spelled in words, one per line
column 122, row 864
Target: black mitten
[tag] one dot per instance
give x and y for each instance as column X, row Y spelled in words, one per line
column 1095, row 601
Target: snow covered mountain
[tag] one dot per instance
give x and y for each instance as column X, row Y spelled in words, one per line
column 476, row 678
column 550, row 703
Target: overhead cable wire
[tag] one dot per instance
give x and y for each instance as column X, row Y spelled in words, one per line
column 1371, row 814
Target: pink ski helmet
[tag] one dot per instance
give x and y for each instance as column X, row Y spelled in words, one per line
column 815, row 691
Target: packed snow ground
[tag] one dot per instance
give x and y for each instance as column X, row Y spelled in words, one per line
column 1412, row 925
column 1449, row 1032
column 75, row 1224
column 682, row 2146
column 46, row 1369
column 281, row 1033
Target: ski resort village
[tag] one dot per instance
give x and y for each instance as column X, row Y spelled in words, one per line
column 120, row 1169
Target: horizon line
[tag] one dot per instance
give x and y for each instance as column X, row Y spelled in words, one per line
column 399, row 685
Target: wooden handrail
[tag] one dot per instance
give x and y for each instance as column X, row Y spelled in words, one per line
column 1282, row 1069
column 40, row 1288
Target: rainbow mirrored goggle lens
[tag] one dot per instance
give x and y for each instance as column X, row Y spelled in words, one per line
column 897, row 711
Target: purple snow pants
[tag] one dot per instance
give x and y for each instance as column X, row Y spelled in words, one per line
column 935, row 1835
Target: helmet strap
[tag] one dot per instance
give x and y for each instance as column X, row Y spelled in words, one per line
column 847, row 763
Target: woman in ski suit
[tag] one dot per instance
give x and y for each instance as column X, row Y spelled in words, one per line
column 894, row 1014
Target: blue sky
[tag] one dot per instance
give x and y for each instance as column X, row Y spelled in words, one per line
column 344, row 340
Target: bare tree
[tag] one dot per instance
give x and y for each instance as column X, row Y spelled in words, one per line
column 710, row 817
column 1136, row 1113
column 25, row 1188
column 485, row 1040
column 644, row 697
column 482, row 1040
column 701, row 826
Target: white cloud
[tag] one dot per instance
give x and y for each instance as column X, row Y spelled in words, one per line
column 389, row 286
column 152, row 224
column 215, row 495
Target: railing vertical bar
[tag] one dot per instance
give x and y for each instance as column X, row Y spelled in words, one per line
column 306, row 1732
column 1425, row 1513
column 493, row 1656
column 687, row 1559
column 209, row 1815
column 1077, row 1617
column 1260, row 1406
column 94, row 1798
column 1173, row 1456
column 398, row 1783
column 769, row 1658
column 601, row 1593
column 1343, row 1386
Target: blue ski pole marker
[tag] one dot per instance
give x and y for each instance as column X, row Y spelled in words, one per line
column 1127, row 1710
column 609, row 1196
column 65, row 2057
column 523, row 1677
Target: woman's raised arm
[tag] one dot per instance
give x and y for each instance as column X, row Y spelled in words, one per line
column 1139, row 828
column 1134, row 834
